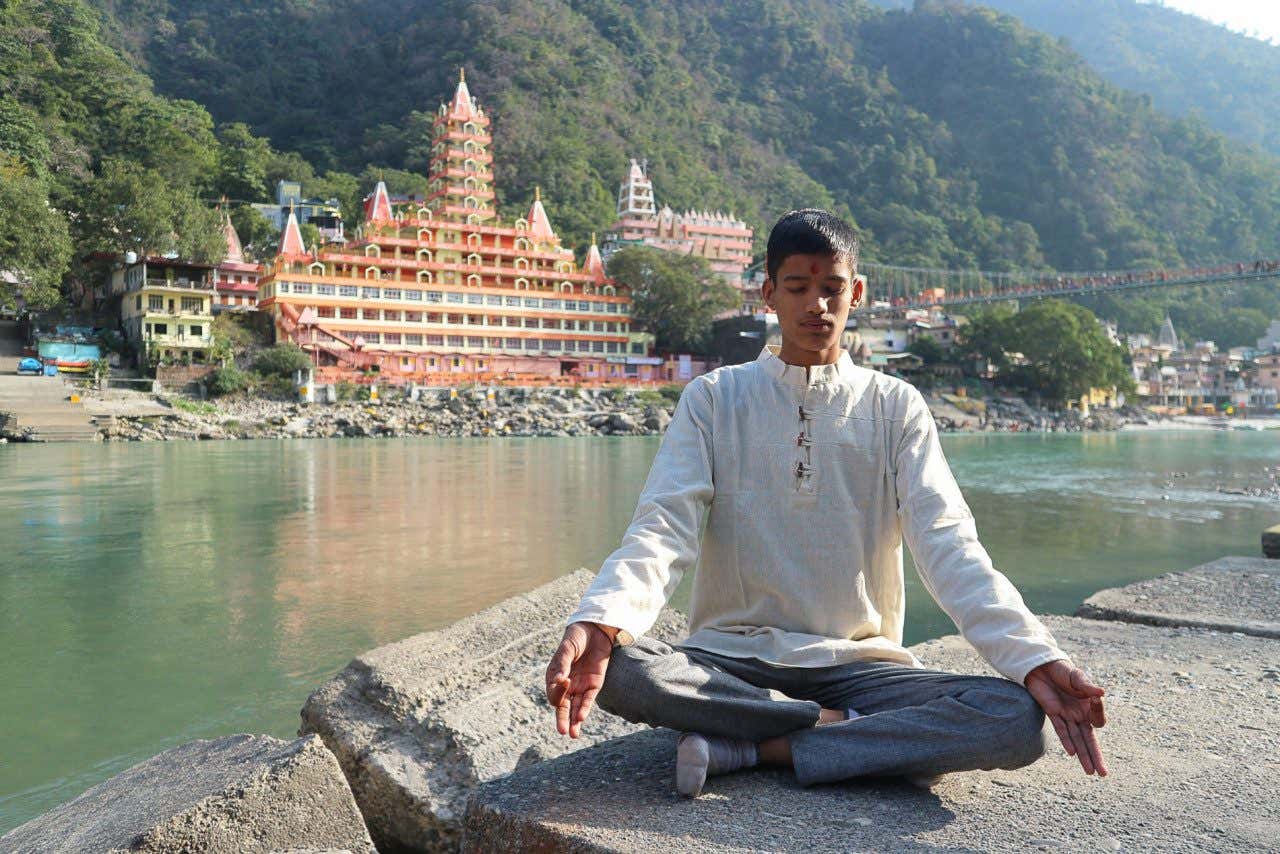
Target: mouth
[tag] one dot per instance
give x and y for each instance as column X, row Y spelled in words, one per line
column 817, row 324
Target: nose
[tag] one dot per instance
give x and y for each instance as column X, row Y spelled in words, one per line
column 819, row 305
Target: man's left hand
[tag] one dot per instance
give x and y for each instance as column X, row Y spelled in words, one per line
column 1073, row 704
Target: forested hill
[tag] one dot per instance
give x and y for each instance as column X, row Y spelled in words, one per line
column 1185, row 63
column 954, row 136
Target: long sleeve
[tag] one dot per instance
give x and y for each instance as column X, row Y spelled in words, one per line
column 955, row 568
column 662, row 540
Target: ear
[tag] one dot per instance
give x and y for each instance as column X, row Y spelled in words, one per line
column 858, row 288
column 766, row 291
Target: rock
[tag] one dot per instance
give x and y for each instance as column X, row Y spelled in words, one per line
column 419, row 723
column 1169, row 788
column 620, row 422
column 560, row 404
column 656, row 418
column 1233, row 594
column 240, row 793
column 1271, row 542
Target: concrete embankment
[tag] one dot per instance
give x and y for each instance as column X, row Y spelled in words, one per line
column 1191, row 744
column 445, row 742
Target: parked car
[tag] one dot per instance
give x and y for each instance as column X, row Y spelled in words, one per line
column 28, row 365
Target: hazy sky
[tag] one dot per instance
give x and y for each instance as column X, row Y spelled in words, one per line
column 1251, row 16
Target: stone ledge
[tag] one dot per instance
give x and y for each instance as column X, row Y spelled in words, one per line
column 419, row 723
column 1231, row 594
column 241, row 793
column 1191, row 744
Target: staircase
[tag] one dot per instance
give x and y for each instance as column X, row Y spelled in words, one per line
column 38, row 409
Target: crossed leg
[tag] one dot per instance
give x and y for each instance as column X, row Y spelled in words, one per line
column 912, row 722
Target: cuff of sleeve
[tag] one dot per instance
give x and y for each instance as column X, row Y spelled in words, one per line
column 1019, row 674
column 627, row 628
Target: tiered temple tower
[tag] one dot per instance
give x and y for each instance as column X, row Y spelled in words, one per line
column 460, row 177
column 443, row 287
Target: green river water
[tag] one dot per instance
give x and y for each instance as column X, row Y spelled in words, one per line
column 151, row 594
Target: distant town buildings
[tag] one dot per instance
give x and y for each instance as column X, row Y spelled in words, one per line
column 443, row 287
column 324, row 214
column 1166, row 373
column 722, row 239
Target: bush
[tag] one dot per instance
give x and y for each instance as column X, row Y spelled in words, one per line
column 226, row 380
column 282, row 360
column 345, row 390
column 278, row 387
column 672, row 392
column 651, row 397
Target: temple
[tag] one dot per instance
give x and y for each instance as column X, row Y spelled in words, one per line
column 440, row 289
column 722, row 239
column 235, row 279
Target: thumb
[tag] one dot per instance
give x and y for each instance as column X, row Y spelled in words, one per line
column 1080, row 685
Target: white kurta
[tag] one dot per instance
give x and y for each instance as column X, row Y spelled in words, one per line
column 813, row 478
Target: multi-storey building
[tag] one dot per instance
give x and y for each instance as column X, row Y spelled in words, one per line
column 166, row 307
column 235, row 279
column 324, row 214
column 722, row 239
column 443, row 286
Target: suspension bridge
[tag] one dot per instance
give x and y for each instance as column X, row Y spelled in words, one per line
column 894, row 290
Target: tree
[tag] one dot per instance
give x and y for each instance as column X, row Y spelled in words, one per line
column 132, row 208
column 674, row 296
column 35, row 243
column 242, row 164
column 929, row 350
column 258, row 235
column 987, row 336
column 1066, row 351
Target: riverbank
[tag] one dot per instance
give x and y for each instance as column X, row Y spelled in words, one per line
column 125, row 416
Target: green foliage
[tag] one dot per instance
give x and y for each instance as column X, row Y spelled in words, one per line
column 929, row 351
column 650, row 397
column 259, row 237
column 35, row 242
column 226, row 379
column 1064, row 349
column 195, row 407
column 671, row 392
column 345, row 390
column 276, row 387
column 281, row 361
column 1186, row 64
column 674, row 296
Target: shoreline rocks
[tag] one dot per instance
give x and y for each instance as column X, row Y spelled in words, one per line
column 520, row 412
column 241, row 793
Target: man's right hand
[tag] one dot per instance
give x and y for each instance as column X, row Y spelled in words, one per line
column 576, row 674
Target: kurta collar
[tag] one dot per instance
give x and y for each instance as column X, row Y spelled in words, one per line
column 795, row 374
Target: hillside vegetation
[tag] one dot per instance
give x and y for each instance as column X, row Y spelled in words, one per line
column 953, row 136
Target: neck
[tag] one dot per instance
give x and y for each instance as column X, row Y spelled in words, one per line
column 796, row 356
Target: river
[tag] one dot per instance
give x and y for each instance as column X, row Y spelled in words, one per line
column 151, row 594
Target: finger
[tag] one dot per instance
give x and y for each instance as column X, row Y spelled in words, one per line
column 583, row 709
column 1082, row 748
column 1082, row 686
column 561, row 661
column 574, row 709
column 1060, row 727
column 562, row 710
column 1097, row 714
column 1095, row 751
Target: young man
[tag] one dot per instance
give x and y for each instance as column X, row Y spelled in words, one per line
column 813, row 471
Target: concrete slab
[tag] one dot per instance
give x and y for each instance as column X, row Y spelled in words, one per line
column 1232, row 594
column 419, row 723
column 1192, row 745
column 242, row 793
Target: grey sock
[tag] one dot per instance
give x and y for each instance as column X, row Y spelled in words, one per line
column 700, row 756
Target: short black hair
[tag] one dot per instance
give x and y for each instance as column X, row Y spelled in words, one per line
column 810, row 231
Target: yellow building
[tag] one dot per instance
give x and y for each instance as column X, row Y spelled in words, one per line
column 166, row 308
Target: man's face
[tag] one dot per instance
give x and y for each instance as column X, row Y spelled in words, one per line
column 812, row 295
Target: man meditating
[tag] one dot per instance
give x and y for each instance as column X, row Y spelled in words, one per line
column 813, row 471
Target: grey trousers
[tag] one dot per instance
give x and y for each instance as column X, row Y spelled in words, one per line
column 913, row 722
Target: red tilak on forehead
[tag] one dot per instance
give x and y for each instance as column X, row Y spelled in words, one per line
column 813, row 269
